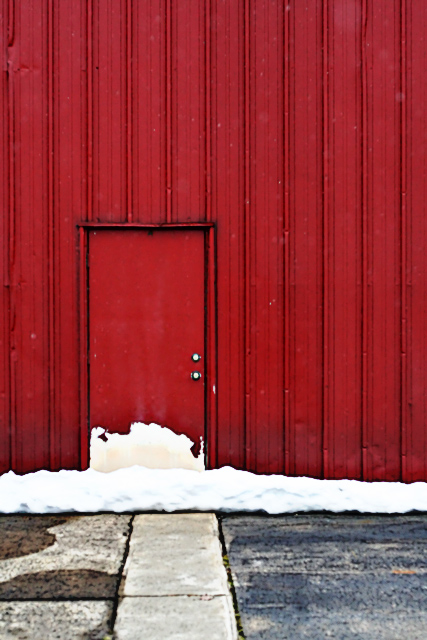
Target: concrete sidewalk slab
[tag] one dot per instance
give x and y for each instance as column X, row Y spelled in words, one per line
column 174, row 582
column 174, row 554
column 55, row 620
column 59, row 575
column 43, row 557
column 176, row 618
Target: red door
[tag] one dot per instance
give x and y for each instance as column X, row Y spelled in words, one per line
column 146, row 323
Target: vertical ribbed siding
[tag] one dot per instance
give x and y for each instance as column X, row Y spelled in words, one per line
column 54, row 447
column 228, row 179
column 382, row 276
column 342, row 212
column 264, row 237
column 299, row 129
column 404, row 417
column 6, row 35
column 29, row 258
column 415, row 407
column 287, row 262
column 109, row 74
column 188, row 178
column 129, row 112
column 306, row 234
column 327, row 169
column 149, row 124
column 70, row 185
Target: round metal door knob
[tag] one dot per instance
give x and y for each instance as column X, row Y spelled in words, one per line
column 196, row 375
column 196, row 357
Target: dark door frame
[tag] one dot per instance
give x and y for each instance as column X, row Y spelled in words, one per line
column 211, row 389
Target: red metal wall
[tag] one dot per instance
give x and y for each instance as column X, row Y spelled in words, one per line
column 300, row 129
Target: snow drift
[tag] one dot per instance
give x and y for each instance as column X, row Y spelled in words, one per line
column 141, row 489
column 153, row 469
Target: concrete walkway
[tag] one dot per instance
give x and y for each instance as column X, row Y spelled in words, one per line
column 174, row 583
column 154, row 577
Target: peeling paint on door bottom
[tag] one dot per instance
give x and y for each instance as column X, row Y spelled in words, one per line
column 149, row 446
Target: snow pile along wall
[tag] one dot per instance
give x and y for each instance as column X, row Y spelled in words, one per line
column 150, row 446
column 226, row 489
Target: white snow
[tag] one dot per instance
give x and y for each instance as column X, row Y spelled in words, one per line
column 147, row 445
column 141, row 489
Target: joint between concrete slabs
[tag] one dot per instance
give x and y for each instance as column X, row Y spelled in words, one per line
column 59, row 599
column 205, row 596
column 121, row 571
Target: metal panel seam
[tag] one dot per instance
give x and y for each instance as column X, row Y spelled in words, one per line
column 53, row 453
column 89, row 36
column 129, row 128
column 325, row 177
column 364, row 380
column 168, row 26
column 247, row 229
column 12, row 235
column 286, row 234
column 403, row 187
column 208, row 110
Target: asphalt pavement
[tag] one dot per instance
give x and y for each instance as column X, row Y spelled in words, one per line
column 329, row 576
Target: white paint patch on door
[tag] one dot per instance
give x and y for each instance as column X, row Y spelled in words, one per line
column 150, row 446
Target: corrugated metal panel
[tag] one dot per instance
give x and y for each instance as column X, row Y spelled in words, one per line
column 148, row 109
column 381, row 230
column 264, row 235
column 305, row 237
column 189, row 128
column 70, row 205
column 30, row 121
column 414, row 242
column 342, row 175
column 300, row 130
column 108, row 35
column 228, row 196
column 5, row 430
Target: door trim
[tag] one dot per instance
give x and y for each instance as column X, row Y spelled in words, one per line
column 211, row 337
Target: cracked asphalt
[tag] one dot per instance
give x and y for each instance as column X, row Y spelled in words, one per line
column 329, row 576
